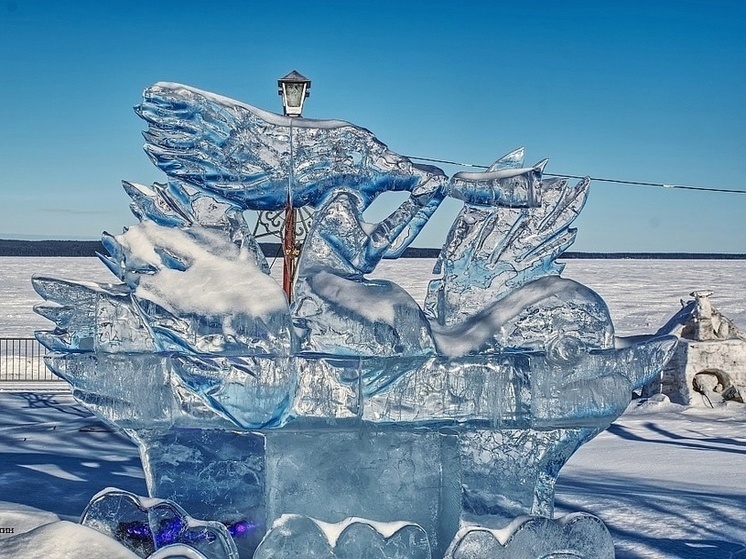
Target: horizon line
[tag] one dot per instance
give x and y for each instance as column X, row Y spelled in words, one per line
column 89, row 248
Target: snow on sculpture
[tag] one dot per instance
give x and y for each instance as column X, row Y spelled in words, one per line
column 354, row 418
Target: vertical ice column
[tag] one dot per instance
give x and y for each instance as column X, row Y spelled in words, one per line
column 511, row 472
column 212, row 473
column 384, row 476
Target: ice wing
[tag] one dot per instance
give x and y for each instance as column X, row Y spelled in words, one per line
column 491, row 251
column 258, row 159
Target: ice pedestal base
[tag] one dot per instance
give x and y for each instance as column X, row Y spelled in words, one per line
column 436, row 443
column 435, row 481
column 384, row 476
column 511, row 472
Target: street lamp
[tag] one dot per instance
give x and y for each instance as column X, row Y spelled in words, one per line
column 294, row 88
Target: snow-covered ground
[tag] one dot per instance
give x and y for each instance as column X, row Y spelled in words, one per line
column 668, row 481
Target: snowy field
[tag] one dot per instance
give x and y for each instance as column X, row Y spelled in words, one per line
column 668, row 481
column 641, row 294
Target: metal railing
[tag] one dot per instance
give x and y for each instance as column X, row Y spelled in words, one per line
column 22, row 360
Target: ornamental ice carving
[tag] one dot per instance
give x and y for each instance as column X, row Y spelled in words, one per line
column 353, row 416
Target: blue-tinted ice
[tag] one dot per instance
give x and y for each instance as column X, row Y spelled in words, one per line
column 156, row 528
column 354, row 418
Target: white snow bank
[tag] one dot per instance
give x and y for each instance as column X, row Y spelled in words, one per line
column 63, row 540
column 22, row 518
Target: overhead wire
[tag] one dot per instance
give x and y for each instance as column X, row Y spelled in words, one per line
column 597, row 179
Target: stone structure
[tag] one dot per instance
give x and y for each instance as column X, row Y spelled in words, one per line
column 709, row 365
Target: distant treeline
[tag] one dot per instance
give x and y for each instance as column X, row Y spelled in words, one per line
column 11, row 247
column 655, row 255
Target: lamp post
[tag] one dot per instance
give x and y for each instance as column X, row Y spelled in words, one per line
column 294, row 88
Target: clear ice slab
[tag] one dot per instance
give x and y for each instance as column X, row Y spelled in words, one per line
column 351, row 421
column 156, row 528
column 577, row 535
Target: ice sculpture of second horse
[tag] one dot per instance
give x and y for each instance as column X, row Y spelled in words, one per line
column 500, row 286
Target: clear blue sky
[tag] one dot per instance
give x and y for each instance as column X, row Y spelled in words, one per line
column 639, row 90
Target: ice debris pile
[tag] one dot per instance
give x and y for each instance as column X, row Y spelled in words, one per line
column 353, row 418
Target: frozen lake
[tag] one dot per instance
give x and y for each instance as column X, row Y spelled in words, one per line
column 641, row 294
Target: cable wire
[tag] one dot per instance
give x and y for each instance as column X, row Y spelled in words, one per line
column 597, row 179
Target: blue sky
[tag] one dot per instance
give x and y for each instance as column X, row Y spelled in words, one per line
column 649, row 90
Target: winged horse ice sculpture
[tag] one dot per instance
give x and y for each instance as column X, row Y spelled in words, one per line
column 353, row 401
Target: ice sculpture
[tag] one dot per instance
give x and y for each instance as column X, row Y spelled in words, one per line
column 353, row 418
column 156, row 528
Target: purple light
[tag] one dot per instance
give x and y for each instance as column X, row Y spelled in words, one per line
column 135, row 530
column 169, row 531
column 241, row 528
